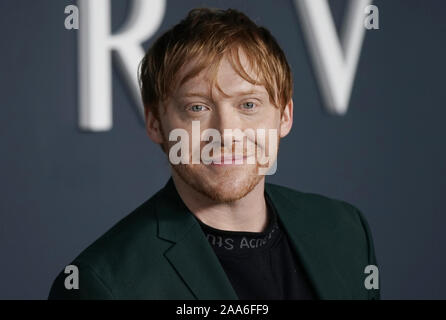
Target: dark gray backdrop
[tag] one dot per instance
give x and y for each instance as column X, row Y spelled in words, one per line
column 62, row 188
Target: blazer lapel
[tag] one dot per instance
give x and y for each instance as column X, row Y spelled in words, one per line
column 312, row 252
column 190, row 254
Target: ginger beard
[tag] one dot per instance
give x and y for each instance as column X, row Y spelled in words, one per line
column 222, row 183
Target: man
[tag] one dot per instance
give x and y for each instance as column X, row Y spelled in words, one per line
column 214, row 87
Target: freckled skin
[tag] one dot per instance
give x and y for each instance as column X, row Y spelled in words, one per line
column 227, row 110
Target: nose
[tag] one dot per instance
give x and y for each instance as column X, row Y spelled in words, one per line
column 228, row 123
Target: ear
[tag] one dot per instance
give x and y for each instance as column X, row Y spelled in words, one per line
column 286, row 121
column 153, row 127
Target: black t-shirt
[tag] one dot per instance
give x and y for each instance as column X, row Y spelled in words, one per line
column 260, row 265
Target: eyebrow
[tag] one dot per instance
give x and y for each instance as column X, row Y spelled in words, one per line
column 238, row 93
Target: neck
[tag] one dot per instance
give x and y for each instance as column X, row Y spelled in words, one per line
column 246, row 214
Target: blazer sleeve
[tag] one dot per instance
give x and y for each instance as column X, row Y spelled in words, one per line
column 374, row 294
column 91, row 287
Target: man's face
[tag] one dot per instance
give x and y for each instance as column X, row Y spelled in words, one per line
column 247, row 108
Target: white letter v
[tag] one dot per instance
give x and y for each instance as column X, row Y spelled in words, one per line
column 334, row 61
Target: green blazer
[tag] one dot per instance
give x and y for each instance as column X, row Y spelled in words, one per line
column 160, row 252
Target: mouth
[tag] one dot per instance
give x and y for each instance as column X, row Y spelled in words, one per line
column 229, row 160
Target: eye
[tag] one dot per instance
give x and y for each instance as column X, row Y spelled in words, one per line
column 197, row 108
column 248, row 106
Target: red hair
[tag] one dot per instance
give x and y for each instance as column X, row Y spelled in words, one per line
column 208, row 35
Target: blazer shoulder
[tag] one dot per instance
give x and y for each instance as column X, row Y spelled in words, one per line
column 113, row 256
column 136, row 229
column 324, row 210
column 336, row 224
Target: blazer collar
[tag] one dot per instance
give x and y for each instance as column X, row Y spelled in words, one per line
column 194, row 259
